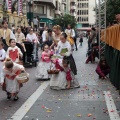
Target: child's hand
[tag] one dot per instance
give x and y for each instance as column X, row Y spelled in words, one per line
column 105, row 78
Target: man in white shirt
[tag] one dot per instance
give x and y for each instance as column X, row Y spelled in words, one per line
column 44, row 39
column 6, row 34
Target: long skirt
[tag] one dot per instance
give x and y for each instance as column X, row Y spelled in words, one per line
column 41, row 72
column 59, row 82
column 11, row 86
column 72, row 64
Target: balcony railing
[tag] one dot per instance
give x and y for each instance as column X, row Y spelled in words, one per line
column 50, row 2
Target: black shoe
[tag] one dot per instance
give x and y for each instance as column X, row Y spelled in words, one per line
column 16, row 98
column 8, row 96
column 76, row 49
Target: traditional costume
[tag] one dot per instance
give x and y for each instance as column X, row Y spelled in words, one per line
column 59, row 81
column 14, row 53
column 9, row 79
column 2, row 58
column 43, row 66
column 66, row 49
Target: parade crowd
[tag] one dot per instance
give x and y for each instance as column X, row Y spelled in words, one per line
column 56, row 62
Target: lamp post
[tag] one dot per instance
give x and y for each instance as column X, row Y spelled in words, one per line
column 30, row 3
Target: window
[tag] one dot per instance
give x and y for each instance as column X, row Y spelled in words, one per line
column 56, row 5
column 41, row 9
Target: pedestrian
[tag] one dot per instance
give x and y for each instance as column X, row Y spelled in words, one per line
column 20, row 38
column 14, row 52
column 2, row 56
column 35, row 23
column 81, row 41
column 103, row 69
column 8, row 78
column 71, row 35
column 44, row 64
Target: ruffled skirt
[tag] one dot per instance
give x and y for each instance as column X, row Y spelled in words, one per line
column 41, row 72
column 58, row 81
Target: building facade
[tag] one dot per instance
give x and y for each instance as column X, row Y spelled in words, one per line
column 85, row 13
column 44, row 10
column 73, row 11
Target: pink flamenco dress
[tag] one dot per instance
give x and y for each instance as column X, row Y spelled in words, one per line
column 43, row 66
column 59, row 81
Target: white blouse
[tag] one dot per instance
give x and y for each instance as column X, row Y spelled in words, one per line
column 63, row 46
column 19, row 37
column 32, row 37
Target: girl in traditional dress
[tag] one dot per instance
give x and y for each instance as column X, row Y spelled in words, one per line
column 14, row 52
column 103, row 69
column 20, row 37
column 8, row 78
column 44, row 65
column 2, row 57
column 64, row 49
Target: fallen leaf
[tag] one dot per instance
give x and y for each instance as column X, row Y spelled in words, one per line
column 78, row 115
column 48, row 110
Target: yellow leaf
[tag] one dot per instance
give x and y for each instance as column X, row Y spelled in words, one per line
column 48, row 110
column 78, row 115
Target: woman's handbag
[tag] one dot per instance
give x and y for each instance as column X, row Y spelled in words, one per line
column 23, row 77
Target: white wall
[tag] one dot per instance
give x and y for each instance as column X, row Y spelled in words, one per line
column 91, row 12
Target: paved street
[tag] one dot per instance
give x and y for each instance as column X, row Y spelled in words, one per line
column 94, row 100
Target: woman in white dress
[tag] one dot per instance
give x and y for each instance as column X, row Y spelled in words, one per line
column 59, row 81
column 8, row 78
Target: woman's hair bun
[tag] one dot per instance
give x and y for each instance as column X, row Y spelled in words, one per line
column 8, row 59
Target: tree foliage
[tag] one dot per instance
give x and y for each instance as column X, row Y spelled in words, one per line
column 112, row 8
column 63, row 21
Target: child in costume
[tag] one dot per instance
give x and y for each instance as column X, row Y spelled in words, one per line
column 2, row 57
column 14, row 52
column 65, row 79
column 44, row 64
column 8, row 78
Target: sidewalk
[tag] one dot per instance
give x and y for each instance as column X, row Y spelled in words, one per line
column 94, row 100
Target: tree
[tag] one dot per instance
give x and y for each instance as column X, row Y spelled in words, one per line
column 112, row 8
column 63, row 21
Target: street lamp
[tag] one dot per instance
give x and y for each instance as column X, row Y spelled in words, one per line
column 30, row 3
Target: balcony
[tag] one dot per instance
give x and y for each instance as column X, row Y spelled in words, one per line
column 73, row 14
column 63, row 1
column 49, row 2
column 57, row 12
column 72, row 0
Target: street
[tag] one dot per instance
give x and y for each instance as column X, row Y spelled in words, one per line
column 94, row 100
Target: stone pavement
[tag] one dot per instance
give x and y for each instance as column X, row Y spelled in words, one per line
column 94, row 100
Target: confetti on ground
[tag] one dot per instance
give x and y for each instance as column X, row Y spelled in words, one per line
column 89, row 115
